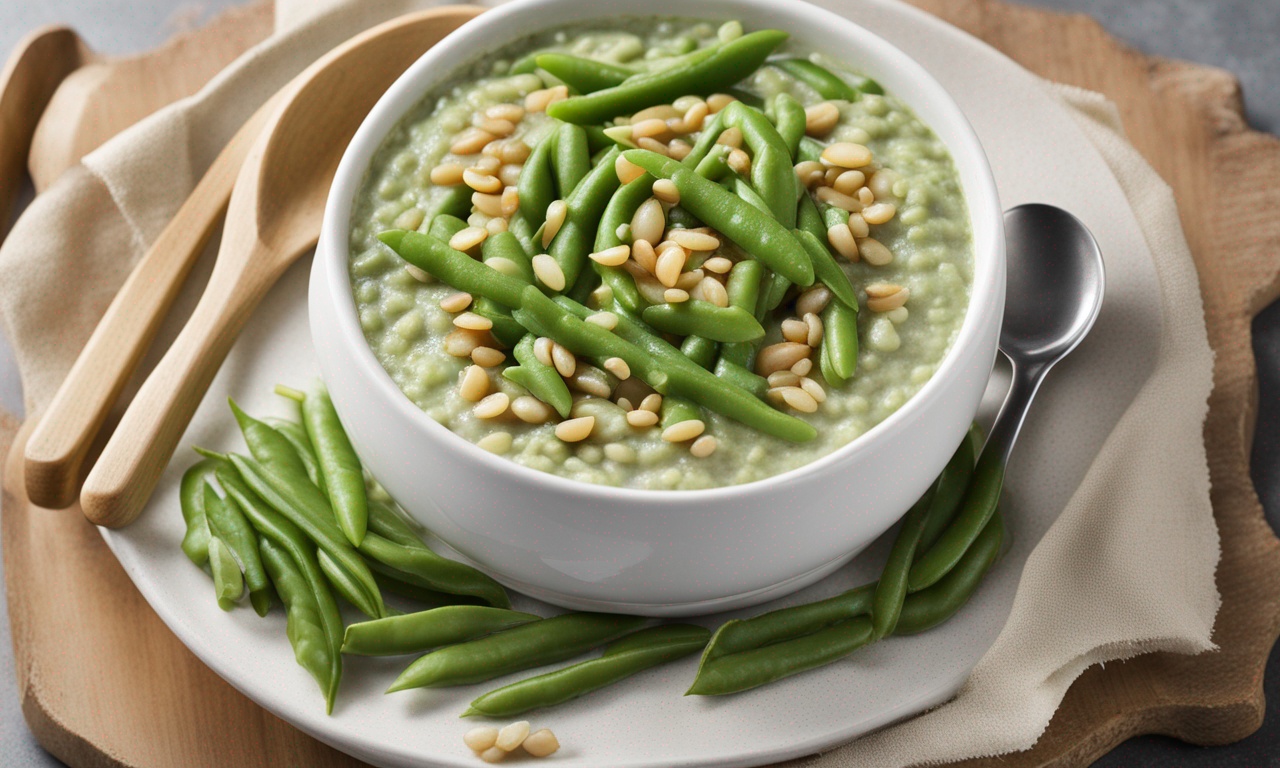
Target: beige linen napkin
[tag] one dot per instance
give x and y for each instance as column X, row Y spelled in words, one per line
column 1126, row 569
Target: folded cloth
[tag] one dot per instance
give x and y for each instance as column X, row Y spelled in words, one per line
column 1136, row 544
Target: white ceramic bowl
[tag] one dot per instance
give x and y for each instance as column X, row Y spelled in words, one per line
column 660, row 553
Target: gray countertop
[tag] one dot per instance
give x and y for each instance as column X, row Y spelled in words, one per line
column 1238, row 35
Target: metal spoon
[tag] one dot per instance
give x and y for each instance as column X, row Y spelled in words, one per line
column 1055, row 287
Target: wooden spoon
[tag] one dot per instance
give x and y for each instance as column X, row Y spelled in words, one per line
column 273, row 218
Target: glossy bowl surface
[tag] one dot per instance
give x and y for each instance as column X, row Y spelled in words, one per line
column 660, row 553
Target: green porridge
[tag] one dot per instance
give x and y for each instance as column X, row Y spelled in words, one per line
column 795, row 351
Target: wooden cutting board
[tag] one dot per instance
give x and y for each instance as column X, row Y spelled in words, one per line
column 104, row 682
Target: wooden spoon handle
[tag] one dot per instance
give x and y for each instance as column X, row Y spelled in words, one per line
column 61, row 441
column 126, row 473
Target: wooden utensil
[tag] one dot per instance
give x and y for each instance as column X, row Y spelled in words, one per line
column 68, row 427
column 274, row 217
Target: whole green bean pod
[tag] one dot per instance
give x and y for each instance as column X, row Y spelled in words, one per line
column 523, row 232
column 702, row 72
column 543, row 381
column 702, row 318
column 950, row 488
column 572, row 158
column 387, row 522
column 582, row 74
column 537, row 182
column 505, row 329
column 424, row 630
column 824, row 81
column 891, row 589
column 505, row 245
column 339, row 464
column 389, row 582
column 619, row 210
column 772, row 174
column 584, row 207
column 838, row 356
column 445, row 226
column 525, row 64
column 677, row 409
column 621, row 659
column 700, row 350
column 791, row 121
column 523, row 647
column 302, row 505
column 305, row 625
column 455, row 267
column 227, row 522
column 761, row 237
column 708, row 140
column 422, row 566
column 825, row 267
column 228, row 583
column 296, row 434
column 343, row 581
column 743, row 189
column 274, row 527
column 750, row 669
column 743, row 288
column 715, row 165
column 195, row 542
column 454, row 202
column 735, row 375
column 977, row 509
column 930, row 607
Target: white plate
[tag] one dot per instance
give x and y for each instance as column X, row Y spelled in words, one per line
column 1038, row 154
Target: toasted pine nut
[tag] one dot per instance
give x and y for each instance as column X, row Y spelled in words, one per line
column 576, row 430
column 496, row 225
column 652, row 127
column 881, row 184
column 468, row 238
column 656, row 112
column 739, row 162
column 813, row 300
column 704, row 446
column 612, row 257
column 493, row 755
column 670, row 264
column 652, row 144
column 420, row 275
column 810, row 172
column 537, row 101
column 683, row 430
column 803, row 367
column 510, row 199
column 780, row 356
column 492, row 406
column 642, row 253
column 564, row 360
column 470, row 141
column 489, row 205
column 649, row 221
column 814, row 389
column 865, row 197
column 606, row 320
column 883, row 300
column 695, row 116
column 514, row 151
column 482, row 738
column 694, row 240
column 840, row 200
column 795, row 330
column 509, row 174
column 849, row 182
column 591, row 381
column 623, row 454
column 411, row 218
column 487, row 357
column 858, row 225
column 713, row 291
column 786, row 378
column 842, row 239
column 731, row 137
column 488, row 164
column 874, row 251
column 495, row 442
column 718, row 101
column 718, row 264
column 472, row 321
column 481, row 182
column 556, row 214
column 455, row 302
column 665, row 190
column 618, row 367
column 542, row 350
column 530, row 410
column 474, row 384
column 513, row 735
column 499, row 128
column 879, row 213
column 846, row 154
column 690, row 280
column 881, row 290
column 511, row 112
column 447, row 174
column 678, row 150
column 675, row 295
column 543, row 742
column 646, row 283
column 460, row 342
column 642, row 418
column 503, row 265
column 799, row 399
column 821, row 118
column 814, row 323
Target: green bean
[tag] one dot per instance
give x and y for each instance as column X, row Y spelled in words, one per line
column 950, row 488
column 506, row 245
column 455, row 203
column 227, row 523
column 930, row 607
column 390, row 583
column 343, row 582
column 676, row 409
column 269, row 446
column 296, row 434
column 525, row 64
column 421, row 566
column 773, row 293
column 891, row 589
column 537, row 184
column 588, row 281
column 523, row 231
column 700, row 350
column 572, row 158
column 734, row 374
column 597, row 140
column 703, row 72
column 702, row 318
column 584, row 207
column 810, row 149
column 828, row 271
column 505, row 329
column 275, row 528
column 708, row 140
column 424, row 630
column 743, row 189
column 760, row 236
column 772, row 174
column 445, row 226
column 824, row 81
column 715, row 165
column 979, row 505
column 305, row 507
column 621, row 659
column 581, row 74
column 838, row 356
column 679, row 218
column 228, row 583
column 343, row 475
column 791, row 121
column 195, row 542
column 387, row 522
column 619, row 210
column 524, row 647
column 543, row 382
column 743, row 288
column 305, row 623
column 455, row 267
column 756, row 667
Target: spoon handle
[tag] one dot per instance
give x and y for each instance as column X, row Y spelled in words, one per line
column 126, row 473
column 67, row 429
column 1023, row 386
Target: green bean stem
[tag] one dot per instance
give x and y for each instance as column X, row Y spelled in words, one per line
column 424, row 630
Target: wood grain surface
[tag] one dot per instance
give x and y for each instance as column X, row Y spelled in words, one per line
column 105, row 683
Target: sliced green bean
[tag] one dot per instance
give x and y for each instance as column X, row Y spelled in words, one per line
column 582, row 74
column 542, row 381
column 828, row 271
column 950, row 488
column 891, row 589
column 621, row 659
column 537, row 183
column 838, row 356
column 227, row 522
column 305, row 626
column 523, row 647
column 824, row 81
column 343, row 475
column 422, row 566
column 979, row 505
column 760, row 236
column 572, row 158
column 424, row 630
column 195, row 542
column 703, row 72
column 930, row 607
column 702, row 318
column 759, row 666
column 791, row 121
column 584, row 208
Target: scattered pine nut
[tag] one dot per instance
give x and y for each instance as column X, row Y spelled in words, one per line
column 842, row 239
column 813, row 300
column 858, row 225
column 538, row 101
column 591, row 381
column 651, row 127
column 810, row 172
column 621, row 453
column 803, row 367
column 565, row 362
column 461, row 342
column 606, row 320
column 874, row 252
column 474, row 385
column 447, row 174
column 618, row 367
column 730, row 30
column 785, row 378
column 482, row 738
column 548, row 272
column 683, row 430
column 492, row 406
column 488, row 164
column 798, row 399
column 487, row 357
column 814, row 389
column 820, row 119
column 678, row 150
column 846, row 154
column 840, row 200
column 513, row 735
column 511, row 112
column 455, row 302
column 675, row 296
column 712, row 291
column 780, row 356
column 421, row 275
column 731, row 137
column 493, row 755
column 489, row 205
column 573, row 431
column 470, row 141
column 496, row 126
column 504, row 265
column 651, row 144
column 495, row 442
column 468, row 238
column 543, row 742
column 694, row 240
column 496, row 225
column 739, row 162
column 612, row 257
column 666, row 191
column 718, row 264
column 530, row 410
column 884, row 297
column 696, row 115
column 881, row 184
column 849, row 182
column 642, row 418
column 795, row 330
column 643, row 254
column 542, row 350
column 656, row 112
column 649, row 221
column 472, row 321
column 879, row 213
column 510, row 198
column 652, row 402
column 718, row 101
column 670, row 264
column 556, row 213
column 627, row 171
column 865, row 197
column 814, row 324
column 704, row 446
column 481, row 182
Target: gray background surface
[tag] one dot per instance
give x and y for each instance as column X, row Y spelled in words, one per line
column 1240, row 35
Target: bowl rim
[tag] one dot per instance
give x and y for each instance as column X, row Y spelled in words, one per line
column 439, row 62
